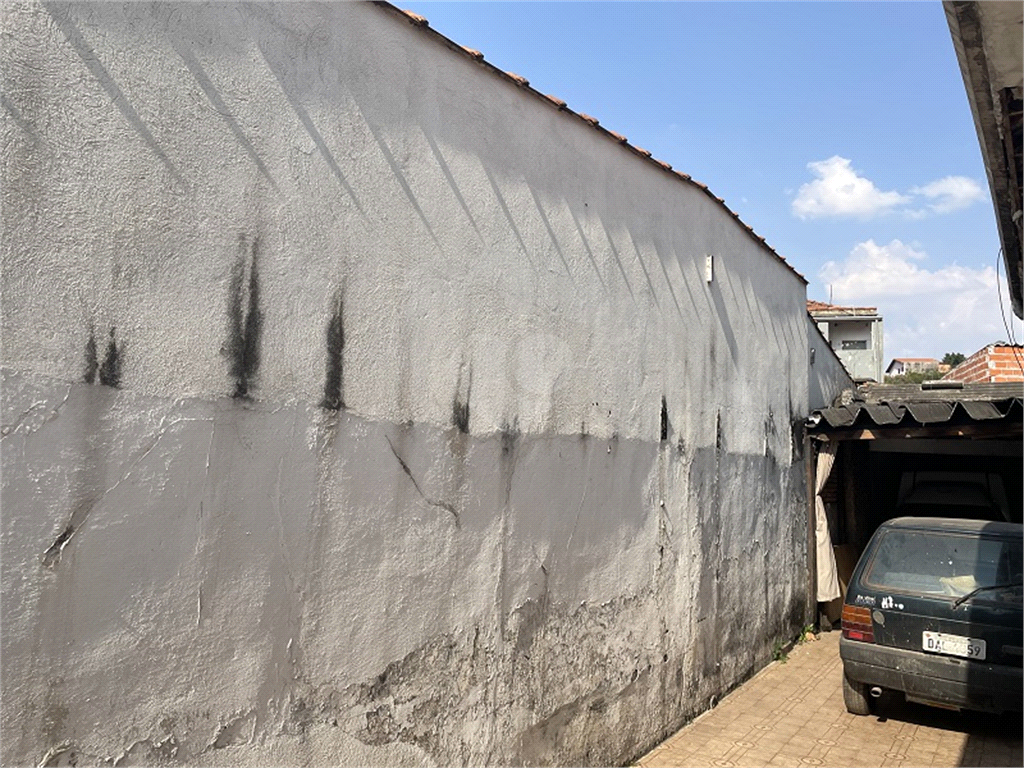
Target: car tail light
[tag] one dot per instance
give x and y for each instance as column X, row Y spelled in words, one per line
column 857, row 624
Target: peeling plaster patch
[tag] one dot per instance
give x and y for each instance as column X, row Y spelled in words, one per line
column 149, row 752
column 60, row 755
column 33, row 417
column 52, row 555
column 334, row 393
column 245, row 320
column 238, row 730
column 439, row 504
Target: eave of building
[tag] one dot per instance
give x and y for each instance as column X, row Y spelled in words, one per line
column 976, row 411
column 988, row 42
column 845, row 317
column 553, row 101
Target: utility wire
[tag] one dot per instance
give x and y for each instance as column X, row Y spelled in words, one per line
column 1002, row 313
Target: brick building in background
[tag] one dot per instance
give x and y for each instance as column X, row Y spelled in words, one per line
column 992, row 363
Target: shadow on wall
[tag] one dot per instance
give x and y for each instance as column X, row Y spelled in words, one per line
column 62, row 18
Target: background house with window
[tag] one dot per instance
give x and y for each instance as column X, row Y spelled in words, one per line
column 855, row 333
column 901, row 366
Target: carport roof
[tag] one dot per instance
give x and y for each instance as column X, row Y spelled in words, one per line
column 928, row 410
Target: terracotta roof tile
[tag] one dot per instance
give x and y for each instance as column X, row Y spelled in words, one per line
column 554, row 100
column 618, row 136
column 704, row 187
column 473, row 52
column 642, row 151
column 683, row 176
column 821, row 306
column 663, row 164
column 421, row 20
column 518, row 78
column 588, row 118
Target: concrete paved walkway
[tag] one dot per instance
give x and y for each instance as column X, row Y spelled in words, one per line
column 792, row 714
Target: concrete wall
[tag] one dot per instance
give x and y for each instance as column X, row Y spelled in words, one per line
column 827, row 375
column 336, row 371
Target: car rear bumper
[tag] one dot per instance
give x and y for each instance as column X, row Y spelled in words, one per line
column 931, row 678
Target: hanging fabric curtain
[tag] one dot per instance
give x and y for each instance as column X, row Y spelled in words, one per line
column 828, row 579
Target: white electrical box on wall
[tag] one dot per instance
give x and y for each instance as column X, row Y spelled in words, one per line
column 709, row 268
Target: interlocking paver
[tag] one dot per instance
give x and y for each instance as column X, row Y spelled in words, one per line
column 792, row 714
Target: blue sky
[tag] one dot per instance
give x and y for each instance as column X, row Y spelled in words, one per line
column 841, row 132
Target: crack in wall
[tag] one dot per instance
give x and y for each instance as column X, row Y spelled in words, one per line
column 439, row 504
column 53, row 553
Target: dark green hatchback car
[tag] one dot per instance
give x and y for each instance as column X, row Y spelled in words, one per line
column 934, row 610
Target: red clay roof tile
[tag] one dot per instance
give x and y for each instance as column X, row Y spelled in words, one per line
column 588, row 118
column 554, row 99
column 663, row 164
column 642, row 151
column 684, row 176
column 421, row 20
column 618, row 136
column 518, row 78
column 473, row 52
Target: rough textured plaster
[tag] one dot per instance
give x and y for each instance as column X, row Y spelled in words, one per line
column 358, row 409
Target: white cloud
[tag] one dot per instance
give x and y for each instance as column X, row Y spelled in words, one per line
column 953, row 193
column 839, row 191
column 926, row 313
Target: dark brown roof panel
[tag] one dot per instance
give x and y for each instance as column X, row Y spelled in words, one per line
column 885, row 414
column 982, row 411
column 930, row 413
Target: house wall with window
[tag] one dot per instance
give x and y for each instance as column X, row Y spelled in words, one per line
column 855, row 334
column 363, row 406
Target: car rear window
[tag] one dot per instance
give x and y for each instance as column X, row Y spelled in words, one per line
column 950, row 564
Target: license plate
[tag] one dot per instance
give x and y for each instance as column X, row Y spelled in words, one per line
column 953, row 645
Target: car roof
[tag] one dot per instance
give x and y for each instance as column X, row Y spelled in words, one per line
column 960, row 525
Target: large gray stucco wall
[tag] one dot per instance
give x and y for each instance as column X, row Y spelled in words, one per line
column 335, row 371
